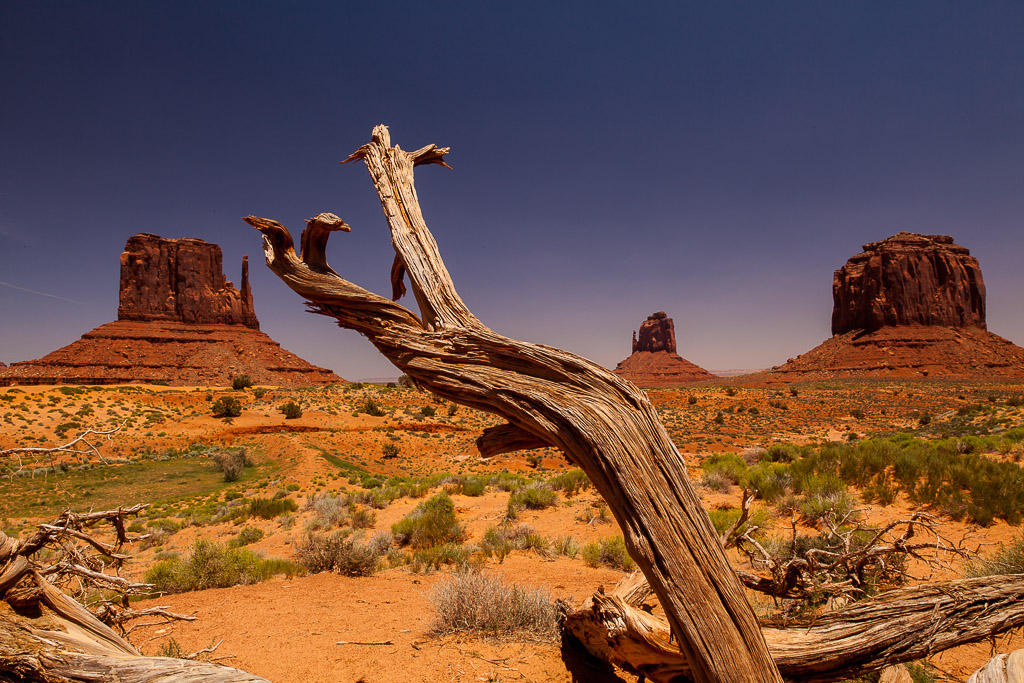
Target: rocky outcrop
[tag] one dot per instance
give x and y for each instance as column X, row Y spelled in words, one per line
column 908, row 279
column 181, row 280
column 654, row 361
column 909, row 307
column 180, row 322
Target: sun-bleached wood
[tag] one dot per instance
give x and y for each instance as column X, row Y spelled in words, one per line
column 603, row 424
column 890, row 628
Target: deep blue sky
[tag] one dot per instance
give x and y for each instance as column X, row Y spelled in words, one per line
column 714, row 160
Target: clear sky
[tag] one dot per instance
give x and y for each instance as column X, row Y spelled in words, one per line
column 715, row 160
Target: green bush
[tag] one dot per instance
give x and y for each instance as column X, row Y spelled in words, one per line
column 389, row 450
column 729, row 465
column 370, row 407
column 226, row 406
column 241, row 382
column 342, row 552
column 249, row 534
column 724, row 518
column 610, row 552
column 291, row 410
column 268, row 508
column 428, row 411
column 433, row 522
column 1009, row 559
column 536, row 496
column 572, row 482
column 437, row 556
column 474, row 602
column 211, row 565
column 232, row 462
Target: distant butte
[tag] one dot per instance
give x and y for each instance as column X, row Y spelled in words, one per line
column 180, row 322
column 909, row 306
column 654, row 361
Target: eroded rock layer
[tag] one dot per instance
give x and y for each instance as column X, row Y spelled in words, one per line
column 654, row 361
column 180, row 322
column 127, row 351
column 908, row 279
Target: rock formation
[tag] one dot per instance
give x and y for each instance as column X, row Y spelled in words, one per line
column 181, row 280
column 654, row 362
column 908, row 279
column 180, row 322
column 909, row 306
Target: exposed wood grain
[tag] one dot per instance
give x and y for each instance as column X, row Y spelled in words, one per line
column 893, row 627
column 603, row 424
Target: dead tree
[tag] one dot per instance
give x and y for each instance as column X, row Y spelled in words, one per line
column 609, row 429
column 549, row 397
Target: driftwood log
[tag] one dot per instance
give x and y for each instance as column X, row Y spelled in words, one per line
column 45, row 635
column 890, row 628
column 603, row 424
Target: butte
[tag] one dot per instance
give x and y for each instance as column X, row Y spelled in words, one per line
column 908, row 307
column 654, row 362
column 179, row 322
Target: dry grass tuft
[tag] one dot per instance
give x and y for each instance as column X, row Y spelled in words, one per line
column 475, row 602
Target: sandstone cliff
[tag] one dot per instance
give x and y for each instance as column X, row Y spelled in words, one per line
column 654, row 361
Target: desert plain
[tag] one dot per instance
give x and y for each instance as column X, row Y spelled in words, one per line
column 366, row 455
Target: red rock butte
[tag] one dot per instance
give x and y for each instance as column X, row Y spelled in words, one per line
column 180, row 322
column 909, row 306
column 654, row 361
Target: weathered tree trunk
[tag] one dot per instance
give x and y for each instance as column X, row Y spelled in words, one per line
column 1008, row 668
column 603, row 424
column 893, row 627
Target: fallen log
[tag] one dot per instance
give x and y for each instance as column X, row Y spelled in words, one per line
column 893, row 627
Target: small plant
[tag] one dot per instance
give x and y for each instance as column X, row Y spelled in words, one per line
column 389, row 450
column 452, row 409
column 212, row 565
column 291, row 410
column 536, row 496
column 342, row 553
column 226, row 406
column 857, row 414
column 924, row 420
column 474, row 602
column 730, row 391
column 406, row 382
column 719, row 418
column 241, row 383
column 1009, row 559
column 259, row 392
column 232, row 462
column 268, row 508
column 371, row 407
column 793, row 392
column 428, row 411
column 433, row 522
column 610, row 552
column 172, row 649
column 249, row 534
column 691, row 399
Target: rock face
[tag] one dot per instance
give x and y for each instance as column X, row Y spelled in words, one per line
column 180, row 322
column 181, row 280
column 654, row 362
column 909, row 306
column 908, row 279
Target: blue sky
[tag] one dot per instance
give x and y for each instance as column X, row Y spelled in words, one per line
column 714, row 160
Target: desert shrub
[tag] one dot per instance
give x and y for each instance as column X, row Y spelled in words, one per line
column 727, row 465
column 857, row 414
column 291, row 410
column 437, row 556
column 389, row 450
column 212, row 565
column 329, row 510
column 771, row 481
column 452, row 409
column 342, row 552
column 536, row 496
column 572, row 482
column 924, row 420
column 226, row 406
column 370, row 407
column 508, row 481
column 241, row 382
column 363, row 519
column 567, row 546
column 268, row 508
column 827, row 504
column 719, row 418
column 730, row 391
column 716, row 480
column 468, row 486
column 406, row 382
column 753, row 410
column 724, row 518
column 496, row 544
column 1009, row 559
column 231, row 462
column 249, row 534
column 259, row 392
column 433, row 522
column 608, row 551
column 428, row 411
column 474, row 602
column 691, row 399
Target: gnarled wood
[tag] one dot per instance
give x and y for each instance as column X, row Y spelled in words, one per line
column 893, row 627
column 603, row 424
column 1008, row 668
